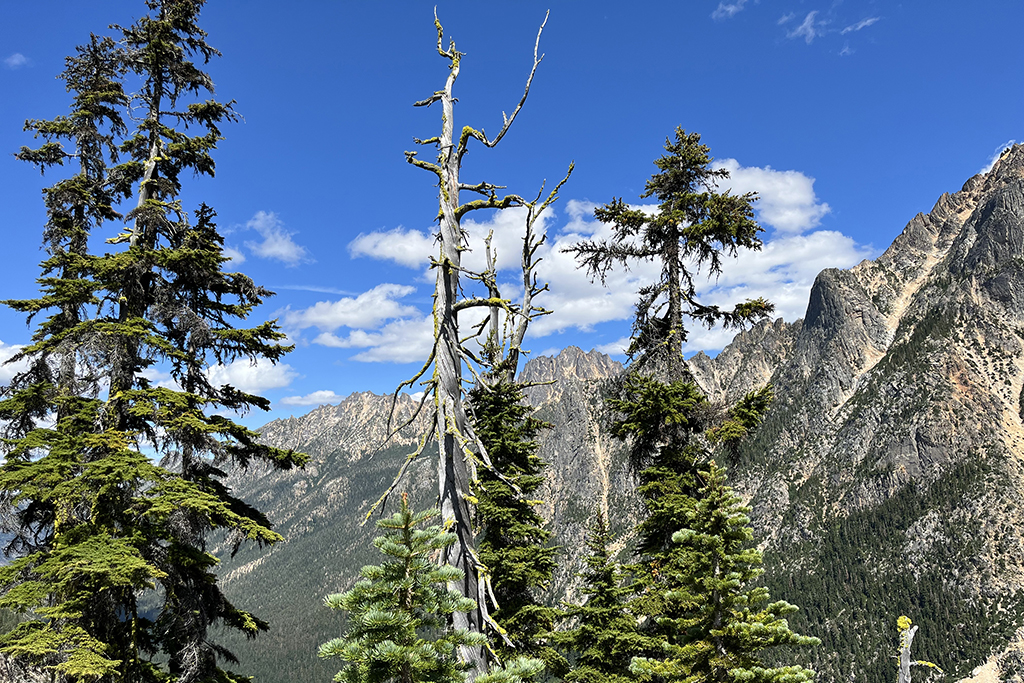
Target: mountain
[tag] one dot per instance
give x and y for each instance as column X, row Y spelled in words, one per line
column 319, row 509
column 887, row 479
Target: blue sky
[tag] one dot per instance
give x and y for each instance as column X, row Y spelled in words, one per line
column 848, row 117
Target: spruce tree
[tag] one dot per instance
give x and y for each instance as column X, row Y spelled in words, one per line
column 399, row 614
column 513, row 544
column 101, row 524
column 716, row 622
column 604, row 637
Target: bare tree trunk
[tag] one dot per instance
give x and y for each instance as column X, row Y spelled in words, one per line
column 452, row 467
column 454, row 437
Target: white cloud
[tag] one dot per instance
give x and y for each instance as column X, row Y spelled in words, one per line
column 234, row 255
column 410, row 248
column 615, row 348
column 16, row 61
column 9, row 370
column 413, row 248
column 252, row 378
column 400, row 341
column 727, row 10
column 785, row 18
column 863, row 23
column 317, row 398
column 808, row 30
column 996, row 153
column 277, row 242
column 786, row 198
column 368, row 310
column 846, row 51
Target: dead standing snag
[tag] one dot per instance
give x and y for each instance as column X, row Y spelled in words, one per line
column 459, row 450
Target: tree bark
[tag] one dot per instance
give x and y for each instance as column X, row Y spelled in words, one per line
column 452, row 467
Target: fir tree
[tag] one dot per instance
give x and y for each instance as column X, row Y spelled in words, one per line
column 605, row 637
column 399, row 614
column 694, row 227
column 512, row 541
column 100, row 523
column 720, row 631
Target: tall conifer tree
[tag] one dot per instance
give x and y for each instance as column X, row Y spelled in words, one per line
column 714, row 628
column 666, row 417
column 514, row 546
column 604, row 637
column 107, row 522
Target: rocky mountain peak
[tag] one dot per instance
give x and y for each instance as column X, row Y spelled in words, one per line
column 550, row 376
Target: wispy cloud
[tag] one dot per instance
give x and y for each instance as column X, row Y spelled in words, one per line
column 847, row 50
column 234, row 255
column 863, row 23
column 400, row 341
column 727, row 10
column 410, row 248
column 996, row 153
column 277, row 242
column 785, row 18
column 252, row 378
column 16, row 61
column 809, row 29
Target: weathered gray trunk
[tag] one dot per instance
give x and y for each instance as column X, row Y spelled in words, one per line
column 452, row 466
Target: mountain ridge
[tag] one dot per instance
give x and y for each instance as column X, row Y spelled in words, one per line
column 887, row 478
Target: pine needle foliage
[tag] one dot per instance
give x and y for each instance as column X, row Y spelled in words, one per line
column 512, row 541
column 399, row 613
column 99, row 524
column 604, row 636
column 717, row 623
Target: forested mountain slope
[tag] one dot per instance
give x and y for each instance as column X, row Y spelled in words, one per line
column 889, row 475
column 887, row 479
column 319, row 509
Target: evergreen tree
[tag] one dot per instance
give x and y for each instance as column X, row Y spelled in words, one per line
column 513, row 544
column 721, row 631
column 671, row 425
column 605, row 637
column 693, row 228
column 399, row 614
column 741, row 419
column 101, row 523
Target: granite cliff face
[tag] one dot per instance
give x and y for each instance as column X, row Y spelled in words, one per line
column 887, row 479
column 893, row 453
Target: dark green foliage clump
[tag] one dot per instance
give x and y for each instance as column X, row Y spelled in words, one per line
column 110, row 546
column 604, row 636
column 712, row 626
column 512, row 541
